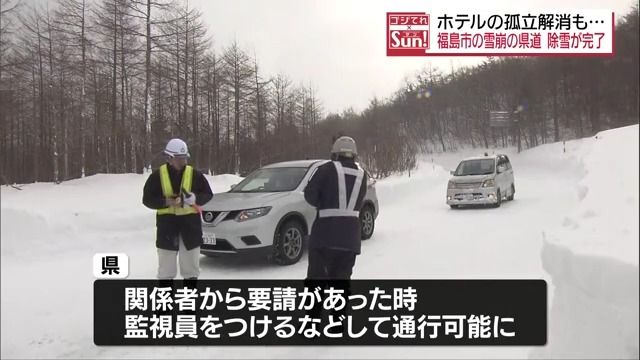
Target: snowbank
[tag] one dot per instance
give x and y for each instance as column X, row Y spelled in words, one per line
column 46, row 218
column 592, row 256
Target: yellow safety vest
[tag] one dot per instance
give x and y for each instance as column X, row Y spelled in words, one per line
column 167, row 190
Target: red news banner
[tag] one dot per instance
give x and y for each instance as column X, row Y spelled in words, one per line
column 495, row 33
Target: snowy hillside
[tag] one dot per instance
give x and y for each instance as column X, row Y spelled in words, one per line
column 584, row 201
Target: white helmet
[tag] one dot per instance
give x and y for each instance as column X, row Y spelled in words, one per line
column 346, row 146
column 176, row 147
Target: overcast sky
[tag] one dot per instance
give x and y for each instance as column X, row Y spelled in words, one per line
column 338, row 46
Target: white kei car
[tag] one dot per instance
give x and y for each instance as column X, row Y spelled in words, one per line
column 267, row 214
column 485, row 180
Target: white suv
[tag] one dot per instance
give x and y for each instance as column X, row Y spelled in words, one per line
column 267, row 214
column 481, row 180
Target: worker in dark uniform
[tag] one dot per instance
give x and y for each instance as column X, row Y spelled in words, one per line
column 175, row 191
column 337, row 190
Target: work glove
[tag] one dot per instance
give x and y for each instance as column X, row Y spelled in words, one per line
column 173, row 202
column 189, row 199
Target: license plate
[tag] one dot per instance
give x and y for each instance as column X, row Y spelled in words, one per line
column 469, row 196
column 209, row 239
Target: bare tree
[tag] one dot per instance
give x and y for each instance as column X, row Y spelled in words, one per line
column 85, row 91
column 238, row 73
column 150, row 12
column 71, row 22
column 7, row 8
column 260, row 94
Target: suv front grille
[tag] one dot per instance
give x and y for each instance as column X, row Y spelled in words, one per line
column 210, row 216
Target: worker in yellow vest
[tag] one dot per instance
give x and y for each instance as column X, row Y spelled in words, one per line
column 175, row 191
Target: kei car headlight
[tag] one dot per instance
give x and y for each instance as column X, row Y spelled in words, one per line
column 249, row 214
column 488, row 183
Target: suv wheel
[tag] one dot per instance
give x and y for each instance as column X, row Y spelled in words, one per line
column 288, row 241
column 367, row 222
column 499, row 197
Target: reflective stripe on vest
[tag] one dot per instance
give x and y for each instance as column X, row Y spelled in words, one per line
column 345, row 208
column 167, row 190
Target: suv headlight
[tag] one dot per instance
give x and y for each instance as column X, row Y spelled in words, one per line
column 451, row 185
column 249, row 214
column 488, row 183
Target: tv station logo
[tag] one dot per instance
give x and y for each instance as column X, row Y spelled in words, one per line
column 407, row 33
column 545, row 32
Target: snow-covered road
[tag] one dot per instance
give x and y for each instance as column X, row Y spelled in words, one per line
column 50, row 234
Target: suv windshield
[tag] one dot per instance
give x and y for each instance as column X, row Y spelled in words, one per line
column 271, row 180
column 475, row 167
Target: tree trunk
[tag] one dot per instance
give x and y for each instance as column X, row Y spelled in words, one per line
column 194, row 102
column 209, row 120
column 114, row 125
column 260, row 132
column 186, row 76
column 37, row 136
column 228, row 147
column 236, row 129
column 147, row 86
column 52, row 113
column 65, row 131
column 556, row 122
column 179, row 101
column 123, row 111
column 83, row 101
